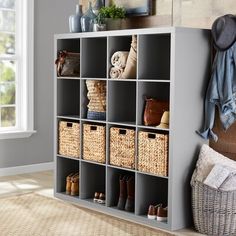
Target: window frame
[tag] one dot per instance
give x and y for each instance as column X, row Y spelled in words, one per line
column 24, row 57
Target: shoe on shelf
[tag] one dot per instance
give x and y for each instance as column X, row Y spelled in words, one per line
column 102, row 198
column 162, row 213
column 96, row 196
column 129, row 205
column 68, row 183
column 152, row 212
column 75, row 185
column 123, row 192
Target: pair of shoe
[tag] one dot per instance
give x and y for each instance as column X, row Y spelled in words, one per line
column 158, row 213
column 99, row 198
column 72, row 184
column 126, row 197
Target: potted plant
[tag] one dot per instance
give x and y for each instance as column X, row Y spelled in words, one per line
column 99, row 23
column 112, row 16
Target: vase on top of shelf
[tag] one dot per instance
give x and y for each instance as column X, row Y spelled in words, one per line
column 87, row 20
column 74, row 20
column 97, row 6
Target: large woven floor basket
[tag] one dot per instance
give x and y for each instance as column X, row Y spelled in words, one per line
column 69, row 139
column 214, row 211
column 122, row 147
column 153, row 153
column 94, row 143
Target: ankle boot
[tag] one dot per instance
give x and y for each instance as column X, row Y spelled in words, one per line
column 68, row 183
column 75, row 185
column 123, row 193
column 129, row 206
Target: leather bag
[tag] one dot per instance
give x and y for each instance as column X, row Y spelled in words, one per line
column 68, row 64
column 154, row 110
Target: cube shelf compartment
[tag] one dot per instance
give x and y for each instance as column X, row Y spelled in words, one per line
column 69, row 45
column 150, row 191
column 113, row 187
column 153, row 159
column 159, row 91
column 122, row 102
column 92, row 180
column 154, row 56
column 171, row 66
column 84, row 99
column 68, row 97
column 117, row 43
column 93, row 57
column 64, row 168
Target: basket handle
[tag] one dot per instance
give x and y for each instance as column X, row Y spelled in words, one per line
column 151, row 135
column 122, row 131
column 69, row 124
column 93, row 127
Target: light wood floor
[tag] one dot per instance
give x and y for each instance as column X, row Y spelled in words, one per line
column 42, row 183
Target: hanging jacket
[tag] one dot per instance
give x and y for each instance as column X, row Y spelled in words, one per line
column 221, row 92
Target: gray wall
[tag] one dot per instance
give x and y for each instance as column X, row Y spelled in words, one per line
column 51, row 16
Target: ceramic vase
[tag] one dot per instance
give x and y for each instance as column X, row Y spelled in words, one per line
column 87, row 20
column 98, row 5
column 74, row 20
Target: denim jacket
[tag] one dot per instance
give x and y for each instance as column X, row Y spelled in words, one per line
column 221, row 92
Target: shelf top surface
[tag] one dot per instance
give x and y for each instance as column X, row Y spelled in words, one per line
column 156, row 30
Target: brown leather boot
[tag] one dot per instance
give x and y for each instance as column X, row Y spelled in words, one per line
column 123, row 193
column 75, row 185
column 68, row 183
column 129, row 206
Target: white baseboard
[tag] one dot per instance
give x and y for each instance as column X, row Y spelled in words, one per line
column 26, row 169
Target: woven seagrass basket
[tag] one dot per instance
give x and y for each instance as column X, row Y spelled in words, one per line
column 122, row 147
column 153, row 153
column 97, row 99
column 94, row 143
column 69, row 139
column 214, row 211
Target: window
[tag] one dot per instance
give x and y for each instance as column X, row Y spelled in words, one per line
column 16, row 68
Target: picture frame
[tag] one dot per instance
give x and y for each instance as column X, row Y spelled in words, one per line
column 133, row 7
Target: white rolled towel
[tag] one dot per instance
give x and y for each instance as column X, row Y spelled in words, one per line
column 119, row 59
column 116, row 72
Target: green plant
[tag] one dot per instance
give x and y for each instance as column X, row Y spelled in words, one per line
column 113, row 12
column 100, row 20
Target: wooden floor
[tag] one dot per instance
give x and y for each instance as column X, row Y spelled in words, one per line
column 42, row 183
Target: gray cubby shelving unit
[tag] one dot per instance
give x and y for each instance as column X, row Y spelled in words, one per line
column 172, row 64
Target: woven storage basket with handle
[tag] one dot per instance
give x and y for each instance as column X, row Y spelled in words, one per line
column 122, row 147
column 214, row 211
column 94, row 143
column 69, row 139
column 153, row 153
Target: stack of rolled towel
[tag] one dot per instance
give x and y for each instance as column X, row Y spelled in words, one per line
column 124, row 63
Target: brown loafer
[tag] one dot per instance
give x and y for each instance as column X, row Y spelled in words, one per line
column 152, row 212
column 96, row 196
column 162, row 213
column 102, row 198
